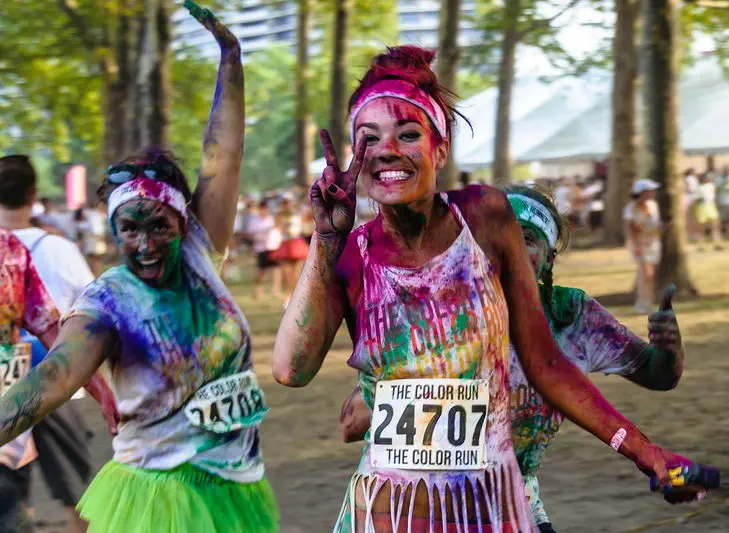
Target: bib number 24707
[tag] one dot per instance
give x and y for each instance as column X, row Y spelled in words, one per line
column 430, row 424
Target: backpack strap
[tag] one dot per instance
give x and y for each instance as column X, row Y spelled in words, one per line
column 37, row 242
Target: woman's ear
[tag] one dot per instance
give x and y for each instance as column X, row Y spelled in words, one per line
column 441, row 153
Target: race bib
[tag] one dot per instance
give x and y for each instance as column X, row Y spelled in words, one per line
column 228, row 404
column 430, row 424
column 14, row 364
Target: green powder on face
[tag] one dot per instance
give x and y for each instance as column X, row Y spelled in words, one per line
column 172, row 273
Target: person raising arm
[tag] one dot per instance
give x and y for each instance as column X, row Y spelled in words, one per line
column 172, row 342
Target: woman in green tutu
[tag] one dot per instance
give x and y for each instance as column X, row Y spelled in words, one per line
column 172, row 343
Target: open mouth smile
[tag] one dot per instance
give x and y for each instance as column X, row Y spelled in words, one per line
column 148, row 262
column 392, row 176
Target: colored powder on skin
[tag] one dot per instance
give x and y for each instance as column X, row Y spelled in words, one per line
column 172, row 268
column 348, row 406
column 402, row 111
column 166, row 245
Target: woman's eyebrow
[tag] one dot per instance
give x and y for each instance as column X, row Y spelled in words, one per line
column 368, row 125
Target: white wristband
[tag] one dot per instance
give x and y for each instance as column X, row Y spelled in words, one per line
column 618, row 439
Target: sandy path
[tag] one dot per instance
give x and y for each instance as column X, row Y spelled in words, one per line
column 587, row 488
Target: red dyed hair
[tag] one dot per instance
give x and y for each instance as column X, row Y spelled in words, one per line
column 411, row 64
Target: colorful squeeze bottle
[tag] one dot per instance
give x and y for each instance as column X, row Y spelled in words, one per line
column 703, row 476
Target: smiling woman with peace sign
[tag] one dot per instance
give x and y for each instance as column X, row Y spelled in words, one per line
column 431, row 290
column 589, row 336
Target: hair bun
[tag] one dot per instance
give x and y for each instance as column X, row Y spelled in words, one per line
column 407, row 57
column 409, row 63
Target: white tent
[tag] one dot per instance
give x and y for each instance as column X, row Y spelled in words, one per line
column 703, row 127
column 538, row 111
column 704, row 109
column 583, row 138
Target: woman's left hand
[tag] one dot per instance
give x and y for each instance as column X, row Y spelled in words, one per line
column 225, row 38
column 663, row 330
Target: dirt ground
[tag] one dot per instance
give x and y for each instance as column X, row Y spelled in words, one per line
column 587, row 487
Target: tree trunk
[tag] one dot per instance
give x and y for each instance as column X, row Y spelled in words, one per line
column 501, row 166
column 660, row 41
column 117, row 84
column 447, row 67
column 137, row 91
column 132, row 42
column 338, row 103
column 304, row 123
column 133, row 57
column 623, row 157
column 147, row 63
column 150, row 99
column 114, row 101
column 159, row 120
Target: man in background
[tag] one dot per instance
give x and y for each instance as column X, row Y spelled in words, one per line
column 24, row 303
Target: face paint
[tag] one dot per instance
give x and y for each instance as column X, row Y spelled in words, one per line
column 538, row 250
column 150, row 238
column 403, row 154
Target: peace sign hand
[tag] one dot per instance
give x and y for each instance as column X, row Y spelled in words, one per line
column 333, row 196
column 220, row 31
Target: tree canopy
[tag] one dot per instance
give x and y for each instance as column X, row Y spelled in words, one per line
column 53, row 55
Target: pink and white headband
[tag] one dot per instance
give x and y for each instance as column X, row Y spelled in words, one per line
column 404, row 91
column 144, row 187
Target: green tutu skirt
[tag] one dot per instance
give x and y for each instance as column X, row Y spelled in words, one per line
column 124, row 499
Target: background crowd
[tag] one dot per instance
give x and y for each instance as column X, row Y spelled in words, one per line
column 274, row 228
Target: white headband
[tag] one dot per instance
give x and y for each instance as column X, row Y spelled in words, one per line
column 404, row 91
column 144, row 187
column 532, row 212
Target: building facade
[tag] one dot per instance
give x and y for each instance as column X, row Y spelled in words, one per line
column 260, row 24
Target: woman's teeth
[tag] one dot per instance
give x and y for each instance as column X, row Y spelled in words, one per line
column 393, row 175
column 148, row 262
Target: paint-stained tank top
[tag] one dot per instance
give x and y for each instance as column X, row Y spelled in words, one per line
column 445, row 319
